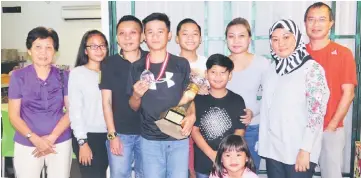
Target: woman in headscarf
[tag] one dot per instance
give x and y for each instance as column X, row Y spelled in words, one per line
column 295, row 96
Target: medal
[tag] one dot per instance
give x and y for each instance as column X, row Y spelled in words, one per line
column 147, row 76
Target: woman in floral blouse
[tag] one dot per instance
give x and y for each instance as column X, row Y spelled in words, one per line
column 294, row 100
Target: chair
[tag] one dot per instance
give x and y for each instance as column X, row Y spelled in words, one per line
column 7, row 141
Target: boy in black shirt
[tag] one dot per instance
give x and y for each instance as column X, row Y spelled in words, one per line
column 217, row 114
column 163, row 156
column 122, row 122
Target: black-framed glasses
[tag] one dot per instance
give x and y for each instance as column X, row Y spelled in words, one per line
column 95, row 47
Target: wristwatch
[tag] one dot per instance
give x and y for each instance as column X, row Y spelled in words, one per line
column 81, row 142
column 28, row 135
column 112, row 135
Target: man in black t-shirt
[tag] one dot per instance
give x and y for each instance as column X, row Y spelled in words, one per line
column 123, row 123
column 217, row 114
column 163, row 156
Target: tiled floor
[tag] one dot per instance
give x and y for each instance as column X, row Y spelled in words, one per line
column 75, row 172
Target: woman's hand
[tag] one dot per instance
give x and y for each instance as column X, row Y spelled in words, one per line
column 51, row 138
column 247, row 119
column 302, row 161
column 43, row 145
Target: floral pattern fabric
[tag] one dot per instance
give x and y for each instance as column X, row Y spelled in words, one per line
column 317, row 95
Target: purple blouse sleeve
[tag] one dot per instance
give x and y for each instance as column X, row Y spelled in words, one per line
column 15, row 86
column 66, row 79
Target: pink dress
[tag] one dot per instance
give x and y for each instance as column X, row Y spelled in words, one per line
column 246, row 174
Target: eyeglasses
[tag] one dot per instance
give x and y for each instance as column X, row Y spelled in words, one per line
column 320, row 20
column 95, row 47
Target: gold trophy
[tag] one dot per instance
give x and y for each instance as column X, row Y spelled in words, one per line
column 171, row 120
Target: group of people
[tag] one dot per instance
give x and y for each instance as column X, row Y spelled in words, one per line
column 104, row 112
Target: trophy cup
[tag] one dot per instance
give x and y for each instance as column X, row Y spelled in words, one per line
column 171, row 120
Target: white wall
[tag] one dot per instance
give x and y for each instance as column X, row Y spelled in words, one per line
column 15, row 27
column 105, row 18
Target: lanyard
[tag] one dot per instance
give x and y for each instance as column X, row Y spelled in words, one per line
column 162, row 69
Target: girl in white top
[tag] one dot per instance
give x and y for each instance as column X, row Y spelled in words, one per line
column 85, row 106
column 246, row 77
column 233, row 159
column 294, row 101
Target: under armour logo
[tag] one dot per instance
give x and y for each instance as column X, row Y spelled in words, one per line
column 334, row 52
column 168, row 79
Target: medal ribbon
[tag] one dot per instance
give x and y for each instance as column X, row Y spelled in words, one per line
column 162, row 69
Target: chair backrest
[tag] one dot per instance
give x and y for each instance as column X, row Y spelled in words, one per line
column 7, row 141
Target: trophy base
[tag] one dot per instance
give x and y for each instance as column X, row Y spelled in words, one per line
column 173, row 115
column 170, row 128
column 171, row 122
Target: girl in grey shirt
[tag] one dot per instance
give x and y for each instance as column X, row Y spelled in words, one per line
column 85, row 106
column 246, row 77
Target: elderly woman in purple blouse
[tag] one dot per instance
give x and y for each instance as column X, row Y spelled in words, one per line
column 37, row 95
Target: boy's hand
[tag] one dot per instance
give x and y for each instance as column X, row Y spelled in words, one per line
column 187, row 124
column 213, row 156
column 203, row 90
column 139, row 88
column 246, row 119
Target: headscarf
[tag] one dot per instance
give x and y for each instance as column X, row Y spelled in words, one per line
column 299, row 55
